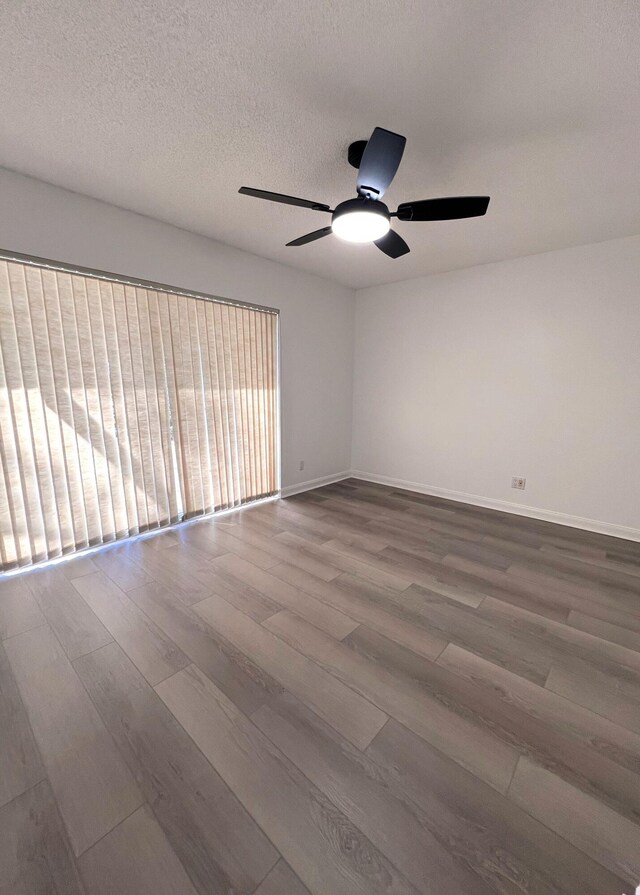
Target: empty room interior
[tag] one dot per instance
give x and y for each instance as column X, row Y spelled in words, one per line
column 320, row 447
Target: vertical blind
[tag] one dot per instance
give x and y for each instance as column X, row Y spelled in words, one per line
column 124, row 408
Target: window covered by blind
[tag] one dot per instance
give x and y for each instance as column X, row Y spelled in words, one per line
column 125, row 408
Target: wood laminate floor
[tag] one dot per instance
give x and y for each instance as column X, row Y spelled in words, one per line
column 354, row 691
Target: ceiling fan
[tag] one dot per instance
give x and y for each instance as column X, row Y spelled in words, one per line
column 366, row 218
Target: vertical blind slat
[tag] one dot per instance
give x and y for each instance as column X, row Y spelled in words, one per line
column 22, row 468
column 124, row 409
column 219, row 417
column 247, row 390
column 88, row 339
column 157, row 454
column 65, row 466
column 156, row 388
column 226, row 403
column 171, row 403
column 200, row 408
column 100, row 317
column 212, row 477
column 123, row 469
column 54, row 509
column 272, row 395
column 76, row 342
column 260, row 386
column 229, row 403
column 40, row 501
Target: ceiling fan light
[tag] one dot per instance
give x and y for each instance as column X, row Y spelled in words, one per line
column 360, row 226
column 359, row 221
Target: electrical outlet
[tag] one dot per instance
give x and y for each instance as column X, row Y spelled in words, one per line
column 301, row 466
column 518, row 482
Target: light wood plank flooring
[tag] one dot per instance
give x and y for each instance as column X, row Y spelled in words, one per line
column 353, row 691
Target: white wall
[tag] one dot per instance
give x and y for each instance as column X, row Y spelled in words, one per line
column 316, row 315
column 528, row 367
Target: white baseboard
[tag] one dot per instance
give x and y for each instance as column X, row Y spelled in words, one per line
column 604, row 528
column 314, row 483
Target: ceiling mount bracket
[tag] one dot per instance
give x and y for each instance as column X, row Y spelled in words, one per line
column 355, row 152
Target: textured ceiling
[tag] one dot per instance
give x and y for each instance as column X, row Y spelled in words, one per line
column 167, row 107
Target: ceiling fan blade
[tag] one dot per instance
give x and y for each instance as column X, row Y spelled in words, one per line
column 443, row 209
column 310, row 237
column 393, row 245
column 380, row 162
column 286, row 200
